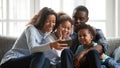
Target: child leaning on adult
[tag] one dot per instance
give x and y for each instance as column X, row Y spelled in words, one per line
column 89, row 57
column 80, row 16
column 35, row 47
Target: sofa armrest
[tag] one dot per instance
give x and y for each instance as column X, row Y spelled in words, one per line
column 5, row 44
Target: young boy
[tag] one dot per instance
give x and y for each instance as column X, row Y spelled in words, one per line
column 86, row 34
column 86, row 55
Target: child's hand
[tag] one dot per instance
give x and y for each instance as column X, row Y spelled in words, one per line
column 79, row 59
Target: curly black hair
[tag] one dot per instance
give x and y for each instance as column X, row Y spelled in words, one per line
column 86, row 26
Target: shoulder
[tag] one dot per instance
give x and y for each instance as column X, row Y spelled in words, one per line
column 31, row 28
column 98, row 30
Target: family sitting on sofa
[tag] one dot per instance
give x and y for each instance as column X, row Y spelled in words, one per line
column 39, row 44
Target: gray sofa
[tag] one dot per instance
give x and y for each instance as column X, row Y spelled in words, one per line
column 7, row 42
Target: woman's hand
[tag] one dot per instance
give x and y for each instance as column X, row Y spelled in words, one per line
column 58, row 46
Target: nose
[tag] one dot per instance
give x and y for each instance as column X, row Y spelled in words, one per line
column 81, row 37
column 78, row 20
column 52, row 24
column 65, row 30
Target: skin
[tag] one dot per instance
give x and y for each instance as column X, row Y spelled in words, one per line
column 49, row 24
column 80, row 17
column 48, row 27
column 64, row 30
column 85, row 38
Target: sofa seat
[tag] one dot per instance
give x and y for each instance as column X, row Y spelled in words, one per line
column 7, row 42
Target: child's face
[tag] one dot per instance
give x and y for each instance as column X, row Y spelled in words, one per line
column 85, row 37
column 64, row 29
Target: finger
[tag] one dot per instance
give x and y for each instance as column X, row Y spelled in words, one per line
column 60, row 48
column 64, row 45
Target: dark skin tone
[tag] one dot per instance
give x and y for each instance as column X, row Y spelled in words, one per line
column 81, row 17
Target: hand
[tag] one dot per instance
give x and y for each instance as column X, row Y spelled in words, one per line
column 99, row 48
column 57, row 45
column 79, row 59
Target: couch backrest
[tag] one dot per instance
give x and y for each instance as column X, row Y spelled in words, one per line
column 113, row 44
column 5, row 44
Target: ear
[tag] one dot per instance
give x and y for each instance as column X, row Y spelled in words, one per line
column 87, row 18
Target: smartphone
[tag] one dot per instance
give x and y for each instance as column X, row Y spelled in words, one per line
column 69, row 42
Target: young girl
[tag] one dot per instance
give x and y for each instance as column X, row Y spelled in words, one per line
column 62, row 32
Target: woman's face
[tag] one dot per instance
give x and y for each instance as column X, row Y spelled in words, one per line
column 85, row 37
column 64, row 29
column 49, row 23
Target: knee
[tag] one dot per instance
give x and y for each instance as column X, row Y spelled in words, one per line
column 38, row 54
column 66, row 51
column 92, row 52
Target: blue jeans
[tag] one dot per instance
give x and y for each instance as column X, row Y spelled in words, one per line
column 110, row 63
column 36, row 60
column 92, row 60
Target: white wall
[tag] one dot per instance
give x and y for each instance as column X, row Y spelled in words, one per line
column 113, row 18
column 118, row 18
column 110, row 22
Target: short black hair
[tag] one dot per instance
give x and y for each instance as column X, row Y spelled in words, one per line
column 90, row 29
column 81, row 8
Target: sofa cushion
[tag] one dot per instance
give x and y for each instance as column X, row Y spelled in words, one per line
column 5, row 44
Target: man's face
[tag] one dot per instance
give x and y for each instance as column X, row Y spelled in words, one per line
column 80, row 17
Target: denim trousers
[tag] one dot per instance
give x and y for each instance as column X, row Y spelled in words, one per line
column 110, row 63
column 36, row 60
column 92, row 60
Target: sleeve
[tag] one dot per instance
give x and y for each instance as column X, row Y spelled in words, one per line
column 100, row 39
column 34, row 40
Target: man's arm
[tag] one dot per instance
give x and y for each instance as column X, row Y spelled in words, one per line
column 101, row 40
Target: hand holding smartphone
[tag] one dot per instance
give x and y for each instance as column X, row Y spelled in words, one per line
column 69, row 42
